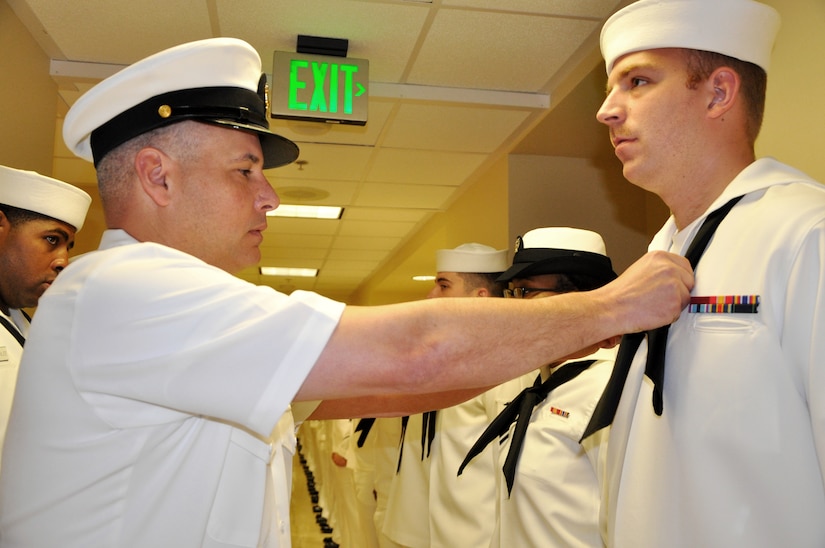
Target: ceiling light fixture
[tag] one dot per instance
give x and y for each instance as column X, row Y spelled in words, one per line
column 296, row 272
column 423, row 278
column 306, row 212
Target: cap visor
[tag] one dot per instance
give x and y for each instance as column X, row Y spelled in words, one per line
column 278, row 151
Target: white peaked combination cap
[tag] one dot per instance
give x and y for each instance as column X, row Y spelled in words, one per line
column 215, row 81
column 34, row 192
column 472, row 257
column 743, row 29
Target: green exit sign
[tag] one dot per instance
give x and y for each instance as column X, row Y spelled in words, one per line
column 319, row 88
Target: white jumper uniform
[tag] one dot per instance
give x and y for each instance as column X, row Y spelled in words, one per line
column 463, row 508
column 738, row 455
column 406, row 521
column 556, row 495
column 11, row 351
column 148, row 392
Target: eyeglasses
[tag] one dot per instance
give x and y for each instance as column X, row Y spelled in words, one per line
column 522, row 292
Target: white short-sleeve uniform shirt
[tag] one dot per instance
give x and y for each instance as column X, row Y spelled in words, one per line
column 151, row 384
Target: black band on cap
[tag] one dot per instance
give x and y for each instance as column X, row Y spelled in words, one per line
column 536, row 261
column 222, row 105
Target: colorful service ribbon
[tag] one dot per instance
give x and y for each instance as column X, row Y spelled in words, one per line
column 724, row 304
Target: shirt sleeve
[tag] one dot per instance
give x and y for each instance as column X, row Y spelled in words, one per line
column 802, row 336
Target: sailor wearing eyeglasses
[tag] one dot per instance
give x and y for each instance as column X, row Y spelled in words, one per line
column 549, row 492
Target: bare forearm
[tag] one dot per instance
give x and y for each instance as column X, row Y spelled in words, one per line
column 447, row 344
column 392, row 406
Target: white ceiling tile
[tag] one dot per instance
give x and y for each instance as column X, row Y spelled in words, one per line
column 452, row 128
column 372, row 255
column 345, row 275
column 366, row 242
column 404, row 196
column 314, row 192
column 284, row 225
column 300, row 253
column 331, row 162
column 352, row 266
column 383, row 228
column 293, row 262
column 292, row 241
column 120, row 32
column 487, row 50
column 346, row 271
column 577, row 8
column 424, row 167
column 384, row 214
